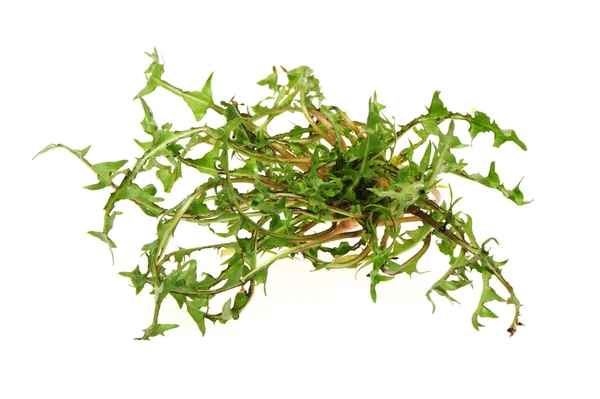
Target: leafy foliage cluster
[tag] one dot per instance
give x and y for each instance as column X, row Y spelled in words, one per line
column 330, row 188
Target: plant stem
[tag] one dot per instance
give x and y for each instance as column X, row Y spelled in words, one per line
column 298, row 248
column 185, row 95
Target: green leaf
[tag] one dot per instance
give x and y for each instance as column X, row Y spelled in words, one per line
column 105, row 171
column 198, row 317
column 159, row 329
column 261, row 278
column 340, row 250
column 302, row 78
column 234, row 271
column 95, row 186
column 78, row 153
column 189, row 275
column 179, row 298
column 437, row 107
column 226, row 312
column 370, row 145
column 166, row 178
column 405, row 194
column 442, row 287
column 414, row 238
column 200, row 101
column 206, row 164
column 485, row 312
column 241, row 299
column 134, row 192
column 377, row 278
column 270, row 81
column 138, row 280
column 169, row 176
column 153, row 73
column 481, row 123
column 487, row 295
column 436, row 113
column 103, row 237
column 148, row 123
column 516, row 195
column 144, row 145
column 160, row 136
column 447, row 248
column 424, row 164
column 408, row 267
column 198, row 207
column 374, row 118
column 441, row 291
column 493, row 181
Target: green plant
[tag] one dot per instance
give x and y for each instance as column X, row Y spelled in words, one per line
column 338, row 192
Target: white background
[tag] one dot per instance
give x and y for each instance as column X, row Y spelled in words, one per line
column 69, row 72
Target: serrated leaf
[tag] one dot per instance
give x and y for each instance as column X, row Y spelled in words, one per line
column 159, row 329
column 415, row 237
column 436, row 113
column 234, row 271
column 482, row 123
column 487, row 295
column 133, row 191
column 485, row 312
column 370, row 145
column 198, row 317
column 475, row 322
column 179, row 298
column 424, row 164
column 408, row 267
column 447, row 248
column 148, row 123
column 103, row 237
column 138, row 280
column 200, row 101
column 189, row 275
column 143, row 145
column 107, row 170
column 516, row 195
column 374, row 117
column 153, row 73
column 168, row 177
column 198, row 207
column 78, row 153
column 377, row 278
column 165, row 177
column 437, row 107
column 493, row 181
column 508, row 135
column 302, row 78
column 441, row 292
column 206, row 164
column 261, row 278
column 270, row 81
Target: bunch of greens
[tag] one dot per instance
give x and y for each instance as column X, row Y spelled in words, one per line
column 340, row 193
